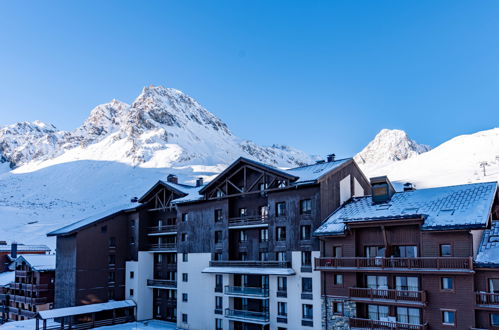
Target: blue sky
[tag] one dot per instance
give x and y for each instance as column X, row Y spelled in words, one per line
column 323, row 76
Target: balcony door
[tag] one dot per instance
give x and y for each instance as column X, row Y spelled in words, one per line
column 408, row 315
column 407, row 286
column 405, row 251
column 377, row 312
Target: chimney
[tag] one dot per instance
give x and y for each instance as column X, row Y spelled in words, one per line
column 322, row 161
column 13, row 250
column 199, row 182
column 408, row 186
column 134, row 199
column 331, row 158
column 172, row 178
column 382, row 189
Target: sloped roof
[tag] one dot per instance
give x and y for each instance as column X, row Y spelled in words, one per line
column 180, row 189
column 452, row 207
column 38, row 262
column 488, row 252
column 84, row 309
column 312, row 173
column 94, row 218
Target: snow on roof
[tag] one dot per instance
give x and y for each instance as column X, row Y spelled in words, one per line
column 142, row 325
column 26, row 324
column 25, row 248
column 192, row 194
column 488, row 252
column 452, row 207
column 84, row 309
column 315, row 171
column 38, row 262
column 94, row 218
column 7, row 277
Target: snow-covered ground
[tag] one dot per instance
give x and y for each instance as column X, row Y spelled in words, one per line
column 144, row 325
column 24, row 325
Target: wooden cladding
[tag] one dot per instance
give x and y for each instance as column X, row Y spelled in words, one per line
column 357, row 263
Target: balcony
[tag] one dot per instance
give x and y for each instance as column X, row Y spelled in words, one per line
column 252, row 292
column 29, row 300
column 248, row 316
column 23, row 273
column 163, row 247
column 162, row 230
column 419, row 265
column 163, row 284
column 29, row 287
column 375, row 324
column 250, row 263
column 396, row 296
column 487, row 299
column 22, row 312
column 256, row 221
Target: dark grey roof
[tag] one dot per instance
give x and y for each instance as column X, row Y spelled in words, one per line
column 488, row 253
column 452, row 207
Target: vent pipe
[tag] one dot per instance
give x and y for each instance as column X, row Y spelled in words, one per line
column 13, row 250
column 331, row 158
column 199, row 182
column 172, row 178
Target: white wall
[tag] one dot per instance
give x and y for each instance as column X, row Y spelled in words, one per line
column 142, row 295
column 345, row 189
column 357, row 188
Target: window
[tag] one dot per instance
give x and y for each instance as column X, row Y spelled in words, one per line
column 306, row 206
column 185, row 277
column 218, row 324
column 112, row 259
column 377, row 312
column 132, row 274
column 184, row 297
column 374, row 251
column 337, row 252
column 305, row 232
column 406, row 251
column 263, row 186
column 449, row 317
column 217, row 256
column 185, row 257
column 218, row 215
column 112, row 242
column 282, row 284
column 184, row 318
column 281, row 183
column 110, row 276
column 445, row 250
column 185, row 218
column 281, row 256
column 243, row 212
column 218, row 302
column 103, row 229
column 377, row 282
column 282, row 308
column 494, row 320
column 408, row 315
column 280, row 234
column 338, row 279
column 306, row 259
column 243, row 236
column 407, row 283
column 338, row 308
column 220, row 194
column 264, row 235
column 218, row 282
column 183, row 237
column 306, row 284
column 110, row 293
column 218, row 237
column 447, row 283
column 243, row 256
column 264, row 212
column 264, row 256
column 307, row 312
column 131, row 292
column 280, row 209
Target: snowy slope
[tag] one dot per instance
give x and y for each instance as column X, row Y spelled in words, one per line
column 456, row 161
column 389, row 145
column 119, row 152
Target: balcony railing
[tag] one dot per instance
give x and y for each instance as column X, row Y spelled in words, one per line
column 162, row 229
column 163, row 247
column 248, row 221
column 421, row 263
column 22, row 312
column 260, row 317
column 162, row 283
column 486, row 298
column 250, row 263
column 22, row 273
column 388, row 294
column 30, row 287
column 246, row 291
column 29, row 300
column 375, row 324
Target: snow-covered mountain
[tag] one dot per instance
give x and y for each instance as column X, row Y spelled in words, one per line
column 49, row 177
column 390, row 145
column 162, row 127
column 456, row 161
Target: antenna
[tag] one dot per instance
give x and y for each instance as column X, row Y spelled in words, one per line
column 483, row 165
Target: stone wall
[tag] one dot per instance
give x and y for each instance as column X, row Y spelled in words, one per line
column 332, row 321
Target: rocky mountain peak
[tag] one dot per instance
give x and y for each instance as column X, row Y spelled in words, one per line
column 390, row 145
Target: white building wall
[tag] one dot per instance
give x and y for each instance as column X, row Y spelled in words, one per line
column 358, row 191
column 142, row 295
column 200, row 289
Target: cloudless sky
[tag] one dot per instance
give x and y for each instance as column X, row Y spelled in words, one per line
column 322, row 76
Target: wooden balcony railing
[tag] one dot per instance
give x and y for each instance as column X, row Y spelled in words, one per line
column 248, row 221
column 375, row 324
column 487, row 298
column 163, row 247
column 250, row 263
column 388, row 294
column 29, row 287
column 421, row 263
column 162, row 229
column 29, row 300
column 247, row 315
column 91, row 325
column 162, row 283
